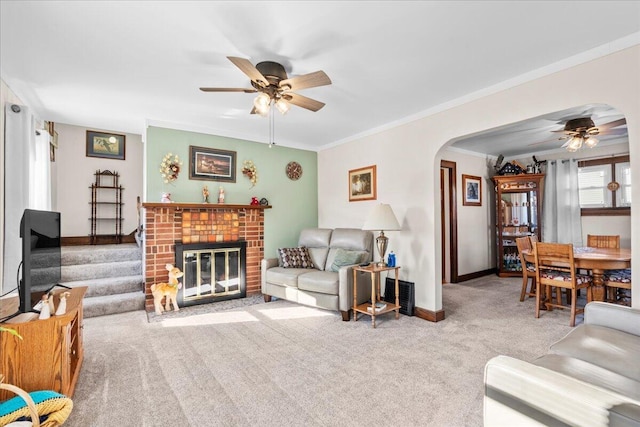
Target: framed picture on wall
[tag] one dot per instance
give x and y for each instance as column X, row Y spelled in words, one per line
column 472, row 186
column 211, row 164
column 105, row 145
column 362, row 184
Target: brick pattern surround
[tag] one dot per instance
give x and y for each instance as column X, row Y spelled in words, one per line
column 188, row 223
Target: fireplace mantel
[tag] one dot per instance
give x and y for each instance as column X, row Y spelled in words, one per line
column 189, row 223
column 180, row 205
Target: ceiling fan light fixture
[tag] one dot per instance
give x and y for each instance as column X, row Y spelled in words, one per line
column 262, row 103
column 591, row 142
column 575, row 143
column 282, row 106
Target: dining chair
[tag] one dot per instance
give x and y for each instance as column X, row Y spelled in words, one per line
column 616, row 281
column 528, row 268
column 555, row 266
column 603, row 241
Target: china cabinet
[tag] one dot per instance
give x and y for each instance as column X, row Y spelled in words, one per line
column 518, row 214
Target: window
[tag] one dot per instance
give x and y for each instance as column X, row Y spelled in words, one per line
column 605, row 186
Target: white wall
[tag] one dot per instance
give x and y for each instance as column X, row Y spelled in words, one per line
column 476, row 225
column 76, row 173
column 408, row 159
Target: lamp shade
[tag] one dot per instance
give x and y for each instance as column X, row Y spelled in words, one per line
column 381, row 218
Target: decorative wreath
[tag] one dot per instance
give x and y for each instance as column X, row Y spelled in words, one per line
column 170, row 168
column 249, row 169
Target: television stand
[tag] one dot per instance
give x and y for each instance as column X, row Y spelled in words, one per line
column 50, row 353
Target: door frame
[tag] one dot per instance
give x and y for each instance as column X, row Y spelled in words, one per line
column 453, row 219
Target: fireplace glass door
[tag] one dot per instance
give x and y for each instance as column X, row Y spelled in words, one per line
column 212, row 271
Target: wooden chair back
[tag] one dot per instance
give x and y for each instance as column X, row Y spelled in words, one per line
column 555, row 266
column 602, row 241
column 556, row 257
column 523, row 244
column 533, row 238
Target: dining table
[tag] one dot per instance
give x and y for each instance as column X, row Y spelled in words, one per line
column 597, row 261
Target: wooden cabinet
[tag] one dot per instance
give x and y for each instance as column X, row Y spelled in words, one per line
column 106, row 208
column 518, row 214
column 50, row 353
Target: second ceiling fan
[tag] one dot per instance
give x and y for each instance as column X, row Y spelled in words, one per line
column 269, row 79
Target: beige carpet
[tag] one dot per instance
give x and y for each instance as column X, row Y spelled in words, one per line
column 281, row 364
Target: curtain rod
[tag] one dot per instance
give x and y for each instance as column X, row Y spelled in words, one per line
column 588, row 158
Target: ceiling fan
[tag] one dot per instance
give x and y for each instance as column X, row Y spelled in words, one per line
column 582, row 131
column 270, row 80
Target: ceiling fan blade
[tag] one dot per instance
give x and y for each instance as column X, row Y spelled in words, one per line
column 227, row 89
column 614, row 132
column 250, row 70
column 603, row 127
column 547, row 141
column 315, row 79
column 303, row 101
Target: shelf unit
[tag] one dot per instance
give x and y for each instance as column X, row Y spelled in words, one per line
column 49, row 355
column 518, row 214
column 106, row 207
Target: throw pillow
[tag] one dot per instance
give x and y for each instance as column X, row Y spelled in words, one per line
column 345, row 257
column 295, row 257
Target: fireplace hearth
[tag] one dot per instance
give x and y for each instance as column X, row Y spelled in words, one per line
column 212, row 272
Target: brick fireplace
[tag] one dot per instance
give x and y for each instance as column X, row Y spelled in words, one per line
column 192, row 223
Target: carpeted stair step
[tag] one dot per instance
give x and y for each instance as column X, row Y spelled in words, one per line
column 100, row 254
column 112, row 273
column 73, row 273
column 113, row 304
column 109, row 285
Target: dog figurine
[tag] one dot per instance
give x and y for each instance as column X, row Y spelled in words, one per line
column 168, row 290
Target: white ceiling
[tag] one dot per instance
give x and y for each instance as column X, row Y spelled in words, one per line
column 122, row 65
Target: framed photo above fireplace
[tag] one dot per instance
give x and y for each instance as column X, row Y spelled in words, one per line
column 212, row 164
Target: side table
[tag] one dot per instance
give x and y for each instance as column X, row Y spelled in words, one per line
column 369, row 308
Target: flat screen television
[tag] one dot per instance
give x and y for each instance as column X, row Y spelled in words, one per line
column 41, row 254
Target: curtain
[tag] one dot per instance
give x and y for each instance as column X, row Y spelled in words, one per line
column 27, row 182
column 40, row 172
column 19, row 136
column 561, row 221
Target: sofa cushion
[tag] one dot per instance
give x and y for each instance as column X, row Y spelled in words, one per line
column 351, row 239
column 285, row 276
column 318, row 257
column 316, row 240
column 324, row 282
column 590, row 373
column 295, row 258
column 611, row 349
column 345, row 257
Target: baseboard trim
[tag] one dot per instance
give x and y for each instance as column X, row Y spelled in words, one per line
column 431, row 316
column 475, row 275
column 86, row 240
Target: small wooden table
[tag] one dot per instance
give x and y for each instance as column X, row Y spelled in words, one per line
column 364, row 308
column 597, row 260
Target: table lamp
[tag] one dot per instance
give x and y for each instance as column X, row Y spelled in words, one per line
column 381, row 218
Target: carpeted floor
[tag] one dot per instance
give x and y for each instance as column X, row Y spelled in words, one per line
column 282, row 364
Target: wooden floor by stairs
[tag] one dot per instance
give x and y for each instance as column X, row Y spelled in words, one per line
column 113, row 274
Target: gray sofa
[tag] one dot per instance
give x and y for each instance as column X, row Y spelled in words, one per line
column 591, row 377
column 320, row 286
